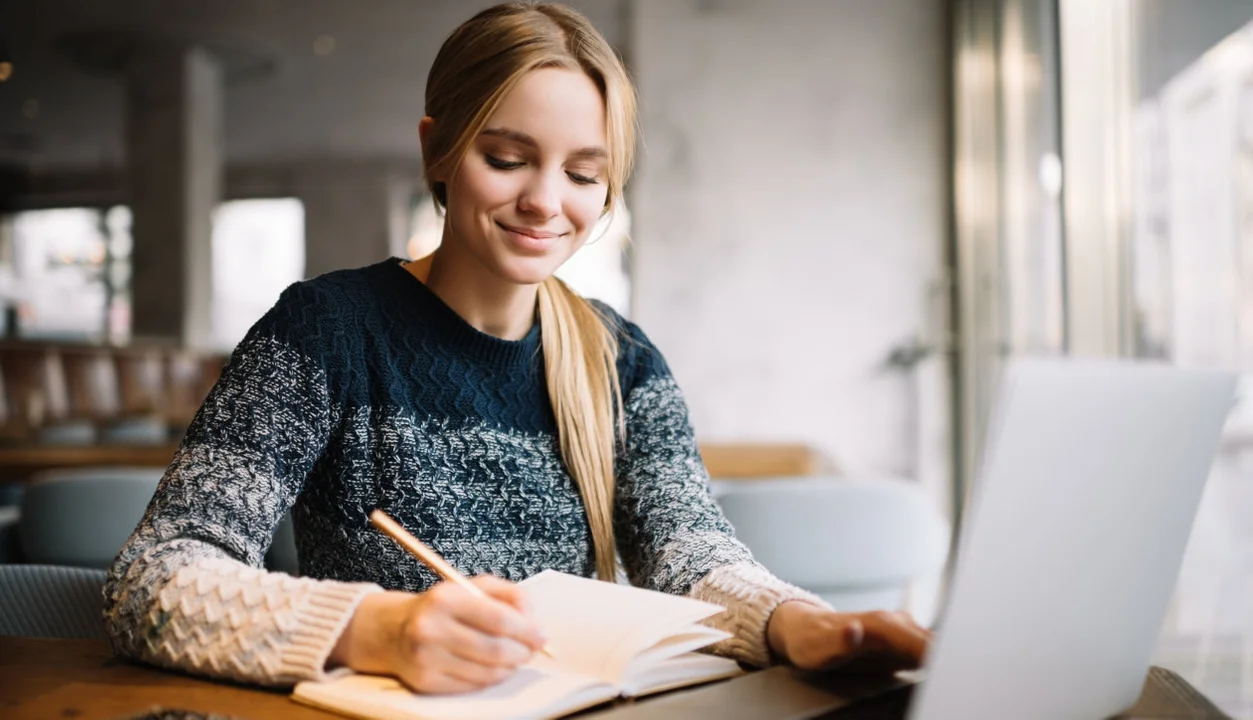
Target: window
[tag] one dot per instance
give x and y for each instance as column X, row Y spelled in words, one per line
column 65, row 273
column 258, row 250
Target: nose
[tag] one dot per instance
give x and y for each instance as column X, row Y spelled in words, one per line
column 540, row 198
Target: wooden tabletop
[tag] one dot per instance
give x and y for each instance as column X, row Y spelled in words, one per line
column 20, row 463
column 82, row 679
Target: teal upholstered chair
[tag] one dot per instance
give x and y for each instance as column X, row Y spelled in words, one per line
column 860, row 545
column 82, row 517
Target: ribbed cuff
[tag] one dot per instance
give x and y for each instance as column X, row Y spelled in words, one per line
column 316, row 626
column 750, row 593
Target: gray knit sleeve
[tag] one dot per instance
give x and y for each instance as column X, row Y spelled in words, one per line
column 187, row 591
column 671, row 534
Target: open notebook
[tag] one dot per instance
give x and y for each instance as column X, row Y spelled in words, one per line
column 607, row 640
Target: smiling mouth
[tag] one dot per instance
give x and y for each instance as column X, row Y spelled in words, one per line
column 534, row 234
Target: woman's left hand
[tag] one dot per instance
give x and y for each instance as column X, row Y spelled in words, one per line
column 814, row 638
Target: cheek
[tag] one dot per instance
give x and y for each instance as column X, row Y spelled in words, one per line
column 483, row 189
column 584, row 210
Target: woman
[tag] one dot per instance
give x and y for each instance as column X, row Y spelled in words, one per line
column 505, row 420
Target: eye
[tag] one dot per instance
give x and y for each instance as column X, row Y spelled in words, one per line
column 582, row 179
column 502, row 164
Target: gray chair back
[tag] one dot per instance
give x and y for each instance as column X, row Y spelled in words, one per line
column 82, row 517
column 282, row 555
column 860, row 545
column 46, row 601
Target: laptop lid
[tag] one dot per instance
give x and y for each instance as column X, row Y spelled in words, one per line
column 1092, row 474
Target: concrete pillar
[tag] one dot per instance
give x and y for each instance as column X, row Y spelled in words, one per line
column 355, row 215
column 174, row 160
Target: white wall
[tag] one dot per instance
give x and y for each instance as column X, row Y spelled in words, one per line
column 789, row 216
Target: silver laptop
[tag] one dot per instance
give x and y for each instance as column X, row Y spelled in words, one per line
column 1075, row 532
column 1073, row 539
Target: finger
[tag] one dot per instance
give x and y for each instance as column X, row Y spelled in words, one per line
column 490, row 650
column 459, row 669
column 886, row 632
column 505, row 591
column 494, row 617
column 435, row 682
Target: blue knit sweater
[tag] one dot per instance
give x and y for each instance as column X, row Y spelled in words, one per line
column 359, row 390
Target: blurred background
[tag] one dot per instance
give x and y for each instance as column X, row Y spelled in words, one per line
column 847, row 216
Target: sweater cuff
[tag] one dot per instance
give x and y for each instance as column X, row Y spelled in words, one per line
column 750, row 594
column 317, row 625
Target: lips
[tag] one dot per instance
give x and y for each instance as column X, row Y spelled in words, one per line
column 528, row 232
column 529, row 241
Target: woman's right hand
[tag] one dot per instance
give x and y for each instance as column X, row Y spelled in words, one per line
column 445, row 640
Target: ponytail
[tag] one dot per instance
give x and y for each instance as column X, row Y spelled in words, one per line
column 580, row 361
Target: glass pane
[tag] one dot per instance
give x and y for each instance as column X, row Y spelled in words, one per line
column 1191, row 292
column 258, row 250
column 58, row 274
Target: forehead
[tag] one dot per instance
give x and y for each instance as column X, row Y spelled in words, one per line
column 561, row 109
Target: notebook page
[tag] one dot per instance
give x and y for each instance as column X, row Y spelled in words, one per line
column 596, row 628
column 527, row 694
column 692, row 638
column 676, row 672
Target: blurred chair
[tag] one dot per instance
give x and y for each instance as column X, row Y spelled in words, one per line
column 10, row 501
column 35, row 392
column 10, row 494
column 860, row 545
column 10, row 549
column 282, row 553
column 46, row 601
column 91, row 382
column 135, row 431
column 67, row 433
column 82, row 517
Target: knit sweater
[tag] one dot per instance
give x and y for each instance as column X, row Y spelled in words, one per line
column 361, row 389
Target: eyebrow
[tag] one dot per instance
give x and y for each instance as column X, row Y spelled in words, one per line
column 524, row 139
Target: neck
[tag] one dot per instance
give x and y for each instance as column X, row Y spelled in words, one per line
column 490, row 305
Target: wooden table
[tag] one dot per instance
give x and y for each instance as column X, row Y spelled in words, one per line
column 21, row 463
column 82, row 679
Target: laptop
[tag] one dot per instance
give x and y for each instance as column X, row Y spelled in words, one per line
column 1073, row 540
column 1074, row 535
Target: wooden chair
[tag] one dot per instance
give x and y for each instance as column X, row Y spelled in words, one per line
column 35, row 391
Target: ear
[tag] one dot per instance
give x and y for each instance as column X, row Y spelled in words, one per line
column 425, row 127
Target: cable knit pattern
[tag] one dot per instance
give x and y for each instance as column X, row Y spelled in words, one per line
column 362, row 389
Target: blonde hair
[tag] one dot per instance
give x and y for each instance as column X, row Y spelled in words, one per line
column 477, row 66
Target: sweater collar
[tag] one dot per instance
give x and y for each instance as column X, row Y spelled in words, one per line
column 453, row 330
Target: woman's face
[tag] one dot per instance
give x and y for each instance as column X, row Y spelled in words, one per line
column 532, row 184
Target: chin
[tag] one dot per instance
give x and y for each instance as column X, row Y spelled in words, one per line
column 527, row 271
